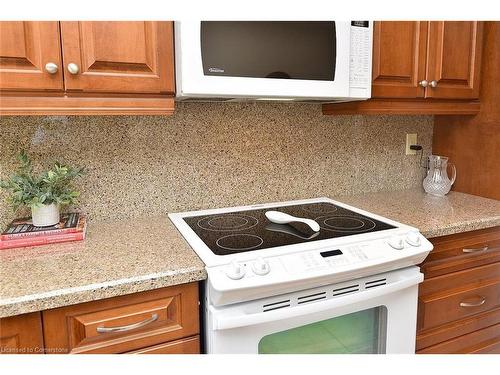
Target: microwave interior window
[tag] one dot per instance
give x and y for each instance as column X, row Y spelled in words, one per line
column 269, row 49
column 362, row 332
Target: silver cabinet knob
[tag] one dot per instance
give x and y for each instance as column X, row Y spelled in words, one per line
column 433, row 84
column 73, row 68
column 424, row 83
column 51, row 68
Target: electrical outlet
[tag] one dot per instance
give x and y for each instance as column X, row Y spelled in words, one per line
column 411, row 139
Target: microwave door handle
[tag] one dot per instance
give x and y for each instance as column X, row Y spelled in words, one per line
column 245, row 320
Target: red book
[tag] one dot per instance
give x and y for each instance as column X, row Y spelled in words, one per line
column 23, row 228
column 42, row 240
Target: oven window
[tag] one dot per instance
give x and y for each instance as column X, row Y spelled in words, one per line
column 362, row 332
column 269, row 49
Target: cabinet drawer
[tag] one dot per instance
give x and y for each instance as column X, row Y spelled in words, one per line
column 190, row 345
column 457, row 328
column 462, row 251
column 486, row 340
column 124, row 323
column 451, row 297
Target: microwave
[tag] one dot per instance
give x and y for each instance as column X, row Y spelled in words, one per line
column 324, row 61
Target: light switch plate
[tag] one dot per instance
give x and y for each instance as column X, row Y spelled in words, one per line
column 411, row 139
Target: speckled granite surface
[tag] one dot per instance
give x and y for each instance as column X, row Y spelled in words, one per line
column 116, row 258
column 210, row 155
column 433, row 216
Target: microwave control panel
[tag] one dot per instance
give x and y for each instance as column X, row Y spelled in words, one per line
column 360, row 64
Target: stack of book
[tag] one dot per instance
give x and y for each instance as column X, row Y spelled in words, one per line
column 22, row 233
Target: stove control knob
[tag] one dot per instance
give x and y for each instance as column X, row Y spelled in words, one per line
column 261, row 267
column 396, row 243
column 235, row 270
column 413, row 239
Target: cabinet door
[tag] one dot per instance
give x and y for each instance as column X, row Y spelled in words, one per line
column 399, row 56
column 118, row 57
column 123, row 324
column 25, row 49
column 21, row 334
column 454, row 59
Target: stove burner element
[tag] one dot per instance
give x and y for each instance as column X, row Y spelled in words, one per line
column 346, row 224
column 320, row 208
column 235, row 232
column 239, row 242
column 228, row 222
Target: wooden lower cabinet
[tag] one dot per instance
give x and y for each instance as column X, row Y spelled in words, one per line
column 156, row 321
column 459, row 300
column 485, row 341
column 21, row 334
column 190, row 345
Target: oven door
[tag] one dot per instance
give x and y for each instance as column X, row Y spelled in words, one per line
column 296, row 60
column 373, row 320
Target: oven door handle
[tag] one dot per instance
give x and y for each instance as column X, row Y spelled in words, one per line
column 222, row 322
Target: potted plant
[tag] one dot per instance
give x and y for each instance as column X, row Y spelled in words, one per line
column 45, row 193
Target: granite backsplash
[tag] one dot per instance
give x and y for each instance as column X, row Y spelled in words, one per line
column 218, row 154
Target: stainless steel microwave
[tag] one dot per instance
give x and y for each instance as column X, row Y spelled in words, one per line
column 322, row 61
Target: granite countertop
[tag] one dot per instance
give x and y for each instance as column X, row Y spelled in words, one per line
column 125, row 257
column 116, row 258
column 433, row 216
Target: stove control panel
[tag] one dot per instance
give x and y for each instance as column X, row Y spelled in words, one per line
column 313, row 261
column 262, row 270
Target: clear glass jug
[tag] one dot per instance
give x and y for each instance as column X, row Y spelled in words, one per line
column 437, row 181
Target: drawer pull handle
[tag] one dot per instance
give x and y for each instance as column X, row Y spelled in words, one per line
column 475, row 250
column 480, row 302
column 129, row 327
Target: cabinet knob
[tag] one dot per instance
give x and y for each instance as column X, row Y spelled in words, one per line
column 424, row 83
column 433, row 84
column 51, row 68
column 73, row 68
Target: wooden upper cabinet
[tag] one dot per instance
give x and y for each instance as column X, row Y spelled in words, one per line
column 25, row 49
column 118, row 57
column 422, row 67
column 454, row 59
column 399, row 55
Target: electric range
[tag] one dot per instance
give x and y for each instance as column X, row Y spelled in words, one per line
column 330, row 278
column 249, row 257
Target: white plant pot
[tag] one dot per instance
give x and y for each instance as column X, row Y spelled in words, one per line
column 45, row 215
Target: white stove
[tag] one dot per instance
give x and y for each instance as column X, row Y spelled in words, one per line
column 270, row 284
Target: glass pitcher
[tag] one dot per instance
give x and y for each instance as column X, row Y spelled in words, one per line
column 437, row 181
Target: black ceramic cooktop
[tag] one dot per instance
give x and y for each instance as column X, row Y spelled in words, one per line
column 243, row 231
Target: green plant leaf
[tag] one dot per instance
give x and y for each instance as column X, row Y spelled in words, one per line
column 52, row 186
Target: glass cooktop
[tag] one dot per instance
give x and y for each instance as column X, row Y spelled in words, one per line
column 242, row 231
